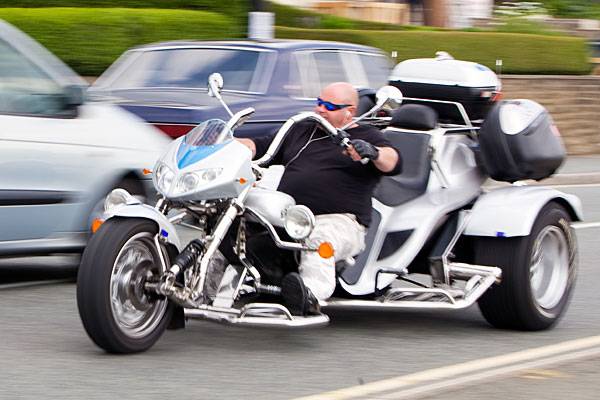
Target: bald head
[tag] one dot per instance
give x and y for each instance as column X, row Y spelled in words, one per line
column 342, row 94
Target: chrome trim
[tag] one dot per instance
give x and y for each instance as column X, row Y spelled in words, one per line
column 133, row 312
column 217, row 237
column 461, row 108
column 284, row 130
column 479, row 277
column 273, row 233
column 257, row 314
column 549, row 268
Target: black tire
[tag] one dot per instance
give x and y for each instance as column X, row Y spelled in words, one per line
column 517, row 302
column 111, row 324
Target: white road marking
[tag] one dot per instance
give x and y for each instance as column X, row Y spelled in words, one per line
column 585, row 225
column 430, row 389
column 482, row 368
column 18, row 285
column 575, row 185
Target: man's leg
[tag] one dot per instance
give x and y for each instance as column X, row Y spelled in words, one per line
column 347, row 238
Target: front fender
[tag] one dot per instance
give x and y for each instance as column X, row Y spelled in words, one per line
column 511, row 211
column 140, row 210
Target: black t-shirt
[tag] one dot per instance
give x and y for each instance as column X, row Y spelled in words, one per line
column 320, row 176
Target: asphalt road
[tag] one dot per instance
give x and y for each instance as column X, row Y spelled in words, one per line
column 45, row 353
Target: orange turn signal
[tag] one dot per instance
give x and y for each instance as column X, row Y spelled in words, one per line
column 242, row 181
column 96, row 224
column 325, row 250
column 147, row 171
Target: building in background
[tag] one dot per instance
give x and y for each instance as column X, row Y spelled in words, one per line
column 441, row 13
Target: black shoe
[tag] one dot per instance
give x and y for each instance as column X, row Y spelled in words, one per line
column 297, row 297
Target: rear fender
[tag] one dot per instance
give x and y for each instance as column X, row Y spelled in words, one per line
column 511, row 211
column 139, row 210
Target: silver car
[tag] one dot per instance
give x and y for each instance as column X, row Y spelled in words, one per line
column 59, row 155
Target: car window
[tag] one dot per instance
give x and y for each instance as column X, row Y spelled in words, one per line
column 328, row 67
column 25, row 88
column 310, row 71
column 377, row 69
column 190, row 68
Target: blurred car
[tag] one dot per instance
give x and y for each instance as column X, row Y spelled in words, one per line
column 59, row 155
column 164, row 83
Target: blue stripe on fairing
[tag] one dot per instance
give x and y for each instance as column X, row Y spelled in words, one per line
column 188, row 155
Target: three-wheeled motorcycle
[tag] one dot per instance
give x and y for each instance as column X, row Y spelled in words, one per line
column 440, row 236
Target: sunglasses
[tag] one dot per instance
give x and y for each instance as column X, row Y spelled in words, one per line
column 331, row 106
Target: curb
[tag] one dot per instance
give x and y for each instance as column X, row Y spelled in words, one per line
column 582, row 178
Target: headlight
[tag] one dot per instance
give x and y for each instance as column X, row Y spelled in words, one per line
column 299, row 222
column 116, row 198
column 164, row 178
column 207, row 175
column 190, row 181
column 187, row 182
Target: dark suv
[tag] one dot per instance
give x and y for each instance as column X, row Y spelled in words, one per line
column 164, row 83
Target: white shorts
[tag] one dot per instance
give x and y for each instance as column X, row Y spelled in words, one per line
column 347, row 237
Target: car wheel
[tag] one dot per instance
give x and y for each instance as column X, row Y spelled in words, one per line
column 132, row 186
column 538, row 273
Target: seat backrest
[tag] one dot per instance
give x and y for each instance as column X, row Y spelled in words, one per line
column 416, row 167
column 414, row 116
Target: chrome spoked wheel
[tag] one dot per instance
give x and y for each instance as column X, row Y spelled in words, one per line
column 549, row 270
column 135, row 312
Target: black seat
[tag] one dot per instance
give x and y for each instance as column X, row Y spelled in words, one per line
column 414, row 151
column 366, row 101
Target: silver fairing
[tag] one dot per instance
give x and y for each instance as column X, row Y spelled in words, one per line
column 233, row 161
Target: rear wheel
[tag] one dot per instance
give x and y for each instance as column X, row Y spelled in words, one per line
column 538, row 273
column 117, row 312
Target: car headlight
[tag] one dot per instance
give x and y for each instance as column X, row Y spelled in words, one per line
column 164, row 178
column 117, row 198
column 299, row 222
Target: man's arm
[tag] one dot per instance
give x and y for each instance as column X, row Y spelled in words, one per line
column 384, row 158
column 387, row 160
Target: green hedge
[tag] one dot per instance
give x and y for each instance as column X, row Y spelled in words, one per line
column 521, row 54
column 573, row 8
column 226, row 7
column 89, row 39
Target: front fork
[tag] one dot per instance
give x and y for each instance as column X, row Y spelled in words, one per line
column 187, row 294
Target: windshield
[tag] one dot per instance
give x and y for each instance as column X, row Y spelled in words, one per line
column 213, row 131
column 203, row 141
column 188, row 68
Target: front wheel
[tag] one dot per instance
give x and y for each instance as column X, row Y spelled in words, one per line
column 538, row 273
column 116, row 311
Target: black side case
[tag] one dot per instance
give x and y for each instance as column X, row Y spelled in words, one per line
column 519, row 140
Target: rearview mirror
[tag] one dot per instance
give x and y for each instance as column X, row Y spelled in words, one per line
column 74, row 96
column 240, row 117
column 215, row 84
column 389, row 96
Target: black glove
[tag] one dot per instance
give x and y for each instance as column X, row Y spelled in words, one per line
column 365, row 149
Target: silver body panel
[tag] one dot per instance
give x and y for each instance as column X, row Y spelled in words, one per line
column 271, row 204
column 423, row 214
column 145, row 211
column 511, row 211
